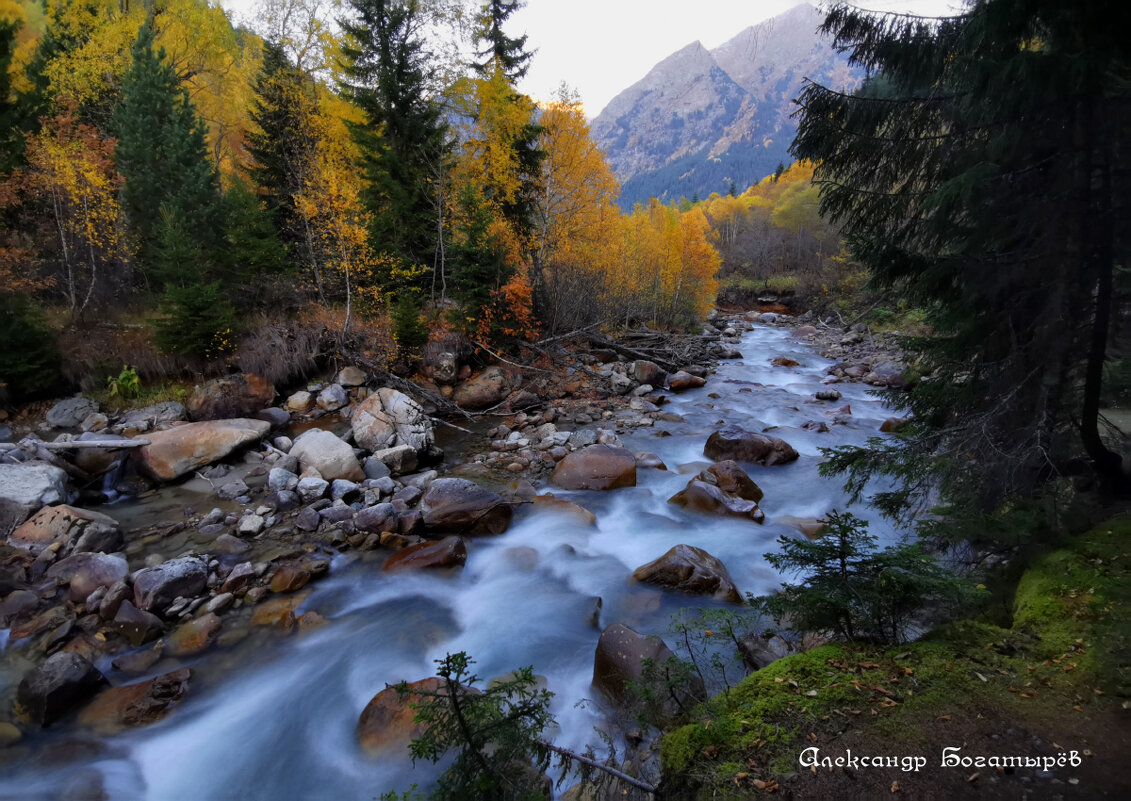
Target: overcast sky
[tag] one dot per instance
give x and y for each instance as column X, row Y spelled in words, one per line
column 601, row 47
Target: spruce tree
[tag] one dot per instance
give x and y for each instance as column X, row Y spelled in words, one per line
column 495, row 47
column 283, row 147
column 981, row 173
column 163, row 157
column 388, row 76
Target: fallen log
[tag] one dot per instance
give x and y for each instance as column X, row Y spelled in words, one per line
column 77, row 445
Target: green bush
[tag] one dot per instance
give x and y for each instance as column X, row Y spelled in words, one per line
column 850, row 591
column 29, row 357
column 200, row 321
column 408, row 329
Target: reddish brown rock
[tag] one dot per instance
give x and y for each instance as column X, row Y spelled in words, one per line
column 893, row 425
column 646, row 372
column 691, row 570
column 86, row 572
column 784, row 361
column 179, row 451
column 598, row 467
column 619, row 662
column 460, row 506
column 699, row 496
column 811, row 527
column 548, row 502
column 484, row 390
column 136, row 704
column 732, row 479
column 739, row 445
column 231, row 396
column 685, row 380
column 448, row 552
column 289, row 578
column 72, row 528
column 273, row 612
column 193, row 636
column 386, row 724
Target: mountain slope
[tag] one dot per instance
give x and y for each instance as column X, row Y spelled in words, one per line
column 701, row 119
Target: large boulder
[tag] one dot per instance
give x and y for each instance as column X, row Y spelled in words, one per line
column 597, row 467
column 231, row 396
column 72, row 528
column 691, row 570
column 97, row 461
column 699, row 496
column 388, row 418
column 327, row 453
column 181, row 450
column 685, row 380
column 57, row 686
column 71, row 412
column 460, row 506
column 646, row 372
column 737, row 444
column 386, row 725
column 620, row 661
column 157, row 587
column 484, row 390
column 728, row 476
column 26, row 488
column 135, row 705
column 448, row 552
column 86, row 572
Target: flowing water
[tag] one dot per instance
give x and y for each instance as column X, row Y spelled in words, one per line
column 273, row 717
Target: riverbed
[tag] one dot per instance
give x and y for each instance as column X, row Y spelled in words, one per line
column 273, row 716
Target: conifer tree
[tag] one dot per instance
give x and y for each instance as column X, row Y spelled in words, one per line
column 495, row 47
column 981, row 172
column 389, row 76
column 163, row 157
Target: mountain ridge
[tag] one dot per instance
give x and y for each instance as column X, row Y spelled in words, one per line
column 700, row 119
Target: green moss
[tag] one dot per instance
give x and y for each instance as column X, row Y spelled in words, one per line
column 1048, row 662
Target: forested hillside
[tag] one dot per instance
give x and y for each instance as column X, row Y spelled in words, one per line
column 177, row 192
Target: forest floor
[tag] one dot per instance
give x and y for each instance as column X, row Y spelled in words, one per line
column 1054, row 683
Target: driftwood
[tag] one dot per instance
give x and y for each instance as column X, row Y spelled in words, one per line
column 78, row 445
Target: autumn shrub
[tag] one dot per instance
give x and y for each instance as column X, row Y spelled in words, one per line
column 199, row 321
column 29, row 356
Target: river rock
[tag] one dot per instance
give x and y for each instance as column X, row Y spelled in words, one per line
column 388, row 418
column 71, row 412
column 181, row 450
column 74, row 530
column 231, row 396
column 86, row 572
column 240, row 579
column 646, row 372
column 311, row 488
column 278, row 418
column 893, row 425
column 300, row 401
column 728, row 476
column 691, row 570
column 352, row 377
column 580, row 513
column 448, row 552
column 136, row 625
column 332, row 398
column 193, row 636
column 597, row 467
column 279, row 480
column 16, row 604
column 811, row 527
column 398, row 459
column 386, row 725
column 484, row 390
column 26, row 488
column 376, row 519
column 136, row 704
column 327, row 453
column 739, row 445
column 155, row 588
column 460, row 506
column 97, row 461
column 685, row 380
column 699, row 496
column 619, row 661
column 620, row 384
column 154, row 415
column 649, row 461
column 288, row 578
column 58, row 685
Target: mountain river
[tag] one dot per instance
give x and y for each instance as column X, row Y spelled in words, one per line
column 273, row 717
